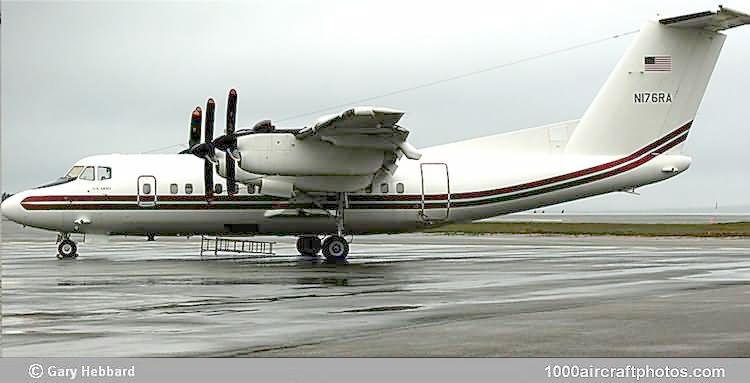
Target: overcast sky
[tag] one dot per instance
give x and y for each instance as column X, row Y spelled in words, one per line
column 90, row 78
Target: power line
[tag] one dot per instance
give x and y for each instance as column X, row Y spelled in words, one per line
column 164, row 148
column 460, row 76
column 441, row 81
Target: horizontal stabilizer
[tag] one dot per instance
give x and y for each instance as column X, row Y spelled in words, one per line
column 720, row 20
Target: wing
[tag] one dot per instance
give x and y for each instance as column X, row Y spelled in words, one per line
column 363, row 127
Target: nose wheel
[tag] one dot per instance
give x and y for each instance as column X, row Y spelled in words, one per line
column 67, row 249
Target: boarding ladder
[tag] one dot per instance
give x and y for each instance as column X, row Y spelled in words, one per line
column 248, row 247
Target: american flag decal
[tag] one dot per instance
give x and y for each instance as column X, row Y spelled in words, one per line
column 661, row 63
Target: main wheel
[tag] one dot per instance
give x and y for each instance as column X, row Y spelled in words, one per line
column 335, row 248
column 67, row 249
column 308, row 245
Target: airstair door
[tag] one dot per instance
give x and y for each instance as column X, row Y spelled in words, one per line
column 147, row 191
column 436, row 192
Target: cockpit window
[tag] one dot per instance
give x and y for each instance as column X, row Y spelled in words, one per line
column 87, row 174
column 74, row 172
column 104, row 173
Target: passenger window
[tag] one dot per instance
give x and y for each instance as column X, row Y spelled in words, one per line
column 87, row 174
column 188, row 188
column 104, row 172
column 173, row 188
column 250, row 189
column 218, row 189
column 399, row 188
column 146, row 188
column 384, row 188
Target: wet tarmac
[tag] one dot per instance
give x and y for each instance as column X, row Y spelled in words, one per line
column 399, row 295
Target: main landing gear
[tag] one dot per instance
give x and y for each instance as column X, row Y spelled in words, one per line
column 309, row 245
column 334, row 247
column 66, row 247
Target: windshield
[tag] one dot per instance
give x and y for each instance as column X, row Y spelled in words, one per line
column 74, row 172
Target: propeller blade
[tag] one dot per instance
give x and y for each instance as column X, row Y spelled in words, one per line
column 231, row 111
column 209, row 129
column 195, row 127
column 231, row 141
column 208, row 148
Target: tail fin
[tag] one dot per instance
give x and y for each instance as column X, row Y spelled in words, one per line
column 657, row 85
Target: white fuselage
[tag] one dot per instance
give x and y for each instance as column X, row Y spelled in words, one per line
column 463, row 181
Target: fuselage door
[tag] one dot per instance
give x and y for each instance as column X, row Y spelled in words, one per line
column 147, row 191
column 436, row 192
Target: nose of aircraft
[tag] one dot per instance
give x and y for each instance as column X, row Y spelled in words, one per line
column 11, row 208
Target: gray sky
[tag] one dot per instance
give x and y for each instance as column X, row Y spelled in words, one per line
column 89, row 78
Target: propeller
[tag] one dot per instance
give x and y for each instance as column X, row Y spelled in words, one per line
column 208, row 136
column 195, row 127
column 204, row 150
column 228, row 142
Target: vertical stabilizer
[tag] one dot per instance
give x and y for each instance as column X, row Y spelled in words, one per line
column 658, row 84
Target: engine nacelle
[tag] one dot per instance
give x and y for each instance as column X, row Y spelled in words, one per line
column 240, row 175
column 283, row 154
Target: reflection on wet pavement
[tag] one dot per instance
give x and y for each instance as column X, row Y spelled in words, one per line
column 414, row 294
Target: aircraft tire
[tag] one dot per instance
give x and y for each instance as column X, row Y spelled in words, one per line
column 335, row 248
column 67, row 249
column 308, row 245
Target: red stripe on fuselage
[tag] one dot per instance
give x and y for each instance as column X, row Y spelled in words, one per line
column 579, row 173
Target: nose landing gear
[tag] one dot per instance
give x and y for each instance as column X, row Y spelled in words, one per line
column 66, row 247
